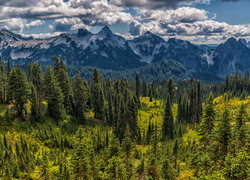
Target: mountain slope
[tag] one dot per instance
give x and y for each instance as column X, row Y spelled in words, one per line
column 154, row 71
column 106, row 50
column 230, row 57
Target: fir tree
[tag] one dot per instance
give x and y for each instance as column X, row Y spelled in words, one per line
column 138, row 88
column 127, row 147
column 167, row 171
column 19, row 89
column 34, row 104
column 208, row 120
column 8, row 67
column 80, row 162
column 168, row 121
column 241, row 129
column 170, row 90
column 97, row 95
column 144, row 88
column 224, row 133
column 79, row 98
column 65, row 85
column 121, row 123
column 199, row 102
column 53, row 96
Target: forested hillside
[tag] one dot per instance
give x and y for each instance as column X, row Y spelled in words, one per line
column 53, row 126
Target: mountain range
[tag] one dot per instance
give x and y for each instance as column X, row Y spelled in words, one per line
column 109, row 51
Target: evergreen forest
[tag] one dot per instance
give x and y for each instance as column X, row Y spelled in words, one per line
column 59, row 126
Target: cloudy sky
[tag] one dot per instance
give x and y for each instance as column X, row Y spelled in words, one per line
column 199, row 21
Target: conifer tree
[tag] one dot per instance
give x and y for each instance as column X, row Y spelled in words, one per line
column 208, row 120
column 127, row 146
column 97, row 95
column 224, row 133
column 114, row 146
column 80, row 162
column 79, row 98
column 199, row 102
column 154, row 142
column 87, row 95
column 144, row 88
column 168, row 121
column 153, row 171
column 132, row 116
column 241, row 117
column 141, row 169
column 65, row 85
column 110, row 110
column 57, row 65
column 116, row 110
column 34, row 104
column 3, row 82
column 8, row 67
column 241, row 129
column 138, row 87
column 149, row 132
column 167, row 171
column 170, row 90
column 53, row 96
column 36, row 77
column 18, row 89
column 175, row 151
column 115, row 169
column 121, row 123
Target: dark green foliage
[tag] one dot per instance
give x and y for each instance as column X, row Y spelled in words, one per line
column 138, row 88
column 223, row 136
column 170, row 90
column 3, row 82
column 79, row 99
column 18, row 90
column 167, row 170
column 97, row 95
column 121, row 122
column 241, row 129
column 65, row 85
column 208, row 120
column 53, row 96
column 34, row 104
column 168, row 121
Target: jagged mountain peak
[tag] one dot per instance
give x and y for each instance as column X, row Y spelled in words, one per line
column 110, row 51
column 105, row 31
column 148, row 36
column 83, row 32
column 232, row 43
column 148, row 33
column 243, row 41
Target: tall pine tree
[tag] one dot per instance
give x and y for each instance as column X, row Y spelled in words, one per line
column 168, row 121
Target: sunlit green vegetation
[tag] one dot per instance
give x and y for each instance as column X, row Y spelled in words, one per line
column 53, row 126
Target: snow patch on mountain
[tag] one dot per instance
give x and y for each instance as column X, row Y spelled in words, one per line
column 209, row 57
column 20, row 54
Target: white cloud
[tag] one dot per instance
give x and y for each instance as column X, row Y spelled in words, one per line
column 153, row 15
column 68, row 24
column 35, row 23
column 154, row 4
column 13, row 24
column 183, row 14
